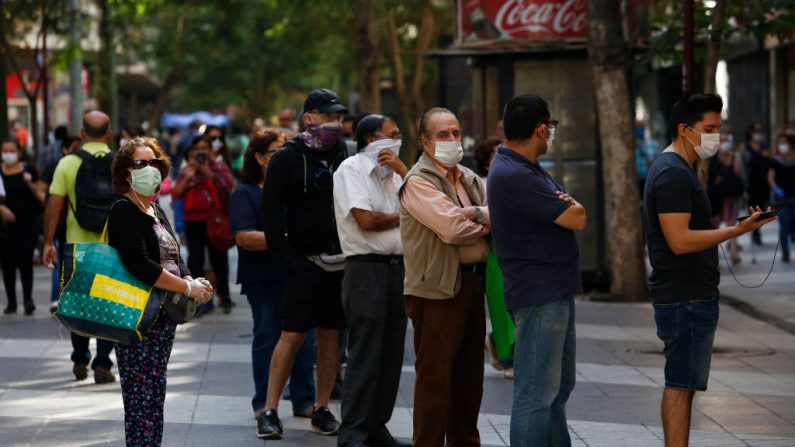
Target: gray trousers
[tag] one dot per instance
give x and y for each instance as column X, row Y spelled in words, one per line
column 372, row 297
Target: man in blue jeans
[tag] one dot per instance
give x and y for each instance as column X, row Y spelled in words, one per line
column 533, row 223
column 683, row 252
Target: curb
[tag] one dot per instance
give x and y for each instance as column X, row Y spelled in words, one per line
column 753, row 312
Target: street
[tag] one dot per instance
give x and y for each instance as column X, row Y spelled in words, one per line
column 750, row 401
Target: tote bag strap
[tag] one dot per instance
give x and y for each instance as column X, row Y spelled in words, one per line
column 103, row 238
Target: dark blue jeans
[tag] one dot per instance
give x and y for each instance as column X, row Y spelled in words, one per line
column 265, row 299
column 544, row 374
column 786, row 219
column 82, row 355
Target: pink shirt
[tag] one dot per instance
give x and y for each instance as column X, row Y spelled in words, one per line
column 434, row 209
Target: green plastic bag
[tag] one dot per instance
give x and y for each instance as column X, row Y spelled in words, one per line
column 501, row 321
column 101, row 299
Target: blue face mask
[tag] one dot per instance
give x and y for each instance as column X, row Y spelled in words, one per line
column 145, row 181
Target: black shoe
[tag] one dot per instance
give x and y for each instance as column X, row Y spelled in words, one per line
column 389, row 441
column 785, row 256
column 80, row 371
column 355, row 444
column 29, row 309
column 756, row 237
column 269, row 426
column 226, row 304
column 102, row 375
column 324, row 422
column 53, row 308
column 10, row 310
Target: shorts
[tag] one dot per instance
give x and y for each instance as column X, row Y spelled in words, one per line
column 688, row 330
column 312, row 297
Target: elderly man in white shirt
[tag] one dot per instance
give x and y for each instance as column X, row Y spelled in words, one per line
column 367, row 209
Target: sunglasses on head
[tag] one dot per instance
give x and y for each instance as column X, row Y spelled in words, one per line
column 155, row 163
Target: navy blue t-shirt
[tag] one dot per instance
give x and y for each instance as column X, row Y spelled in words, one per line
column 540, row 260
column 252, row 266
column 673, row 187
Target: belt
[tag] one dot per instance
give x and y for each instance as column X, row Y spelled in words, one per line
column 479, row 267
column 384, row 259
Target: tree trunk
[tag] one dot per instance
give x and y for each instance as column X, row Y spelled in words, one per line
column 407, row 114
column 3, row 71
column 713, row 46
column 162, row 97
column 610, row 57
column 412, row 100
column 711, row 68
column 106, row 82
column 367, row 57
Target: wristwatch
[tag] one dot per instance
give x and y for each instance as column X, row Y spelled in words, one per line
column 478, row 215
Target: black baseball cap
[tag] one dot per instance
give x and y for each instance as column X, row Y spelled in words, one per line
column 324, row 101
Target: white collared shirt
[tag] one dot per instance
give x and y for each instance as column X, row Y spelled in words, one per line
column 357, row 184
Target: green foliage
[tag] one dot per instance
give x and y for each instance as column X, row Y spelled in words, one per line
column 262, row 54
column 756, row 18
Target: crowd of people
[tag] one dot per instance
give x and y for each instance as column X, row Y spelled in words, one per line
column 340, row 244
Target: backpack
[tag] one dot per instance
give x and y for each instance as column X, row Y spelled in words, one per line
column 93, row 191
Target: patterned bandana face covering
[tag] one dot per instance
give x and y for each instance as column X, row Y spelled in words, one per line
column 322, row 137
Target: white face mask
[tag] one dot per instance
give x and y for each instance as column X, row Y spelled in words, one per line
column 217, row 144
column 783, row 148
column 726, row 146
column 710, row 143
column 373, row 149
column 10, row 158
column 448, row 153
column 551, row 137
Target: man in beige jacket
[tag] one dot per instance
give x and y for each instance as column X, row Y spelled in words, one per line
column 443, row 224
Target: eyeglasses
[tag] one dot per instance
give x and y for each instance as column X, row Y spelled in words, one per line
column 156, row 163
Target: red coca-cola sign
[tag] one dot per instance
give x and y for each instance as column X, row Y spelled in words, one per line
column 520, row 19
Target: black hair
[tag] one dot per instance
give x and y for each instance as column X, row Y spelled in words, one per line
column 522, row 115
column 61, row 132
column 67, row 141
column 211, row 127
column 691, row 109
column 369, row 126
column 134, row 130
column 13, row 141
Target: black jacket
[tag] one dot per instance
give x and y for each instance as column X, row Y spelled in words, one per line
column 298, row 194
column 130, row 232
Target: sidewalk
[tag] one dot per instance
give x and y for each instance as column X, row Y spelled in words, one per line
column 751, row 400
column 775, row 301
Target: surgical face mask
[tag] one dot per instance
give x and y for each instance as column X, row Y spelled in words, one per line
column 145, row 181
column 376, row 147
column 710, row 143
column 10, row 158
column 783, row 148
column 726, row 146
column 551, row 137
column 759, row 137
column 217, row 144
column 448, row 153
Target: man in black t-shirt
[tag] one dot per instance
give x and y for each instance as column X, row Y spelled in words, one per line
column 682, row 246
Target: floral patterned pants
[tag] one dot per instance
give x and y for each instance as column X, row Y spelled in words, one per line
column 142, row 370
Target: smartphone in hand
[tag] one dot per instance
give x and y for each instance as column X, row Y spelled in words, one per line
column 763, row 216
